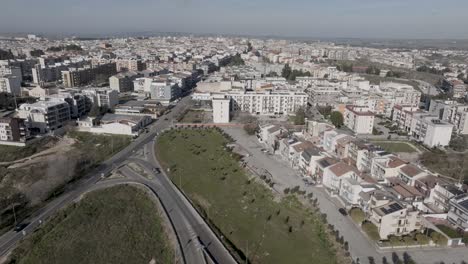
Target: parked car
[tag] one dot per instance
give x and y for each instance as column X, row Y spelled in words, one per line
column 157, row 170
column 20, row 227
column 343, row 211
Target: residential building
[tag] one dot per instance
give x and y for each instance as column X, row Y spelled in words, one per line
column 13, row 130
column 386, row 167
column 103, row 97
column 458, row 213
column 430, row 130
column 394, row 219
column 455, row 87
column 10, row 84
column 130, row 125
column 267, row 102
column 359, row 119
column 410, row 173
column 130, row 65
column 221, row 108
column 452, row 112
column 441, row 195
column 164, row 91
column 45, row 116
column 74, row 77
column 123, row 82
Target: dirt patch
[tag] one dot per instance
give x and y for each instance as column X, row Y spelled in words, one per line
column 62, row 146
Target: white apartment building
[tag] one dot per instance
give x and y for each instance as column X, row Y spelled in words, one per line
column 359, row 119
column 458, row 213
column 393, row 219
column 12, row 130
column 221, row 111
column 103, row 97
column 430, row 130
column 423, row 127
column 452, row 112
column 45, row 116
column 267, row 102
column 129, row 125
column 440, row 196
column 10, row 84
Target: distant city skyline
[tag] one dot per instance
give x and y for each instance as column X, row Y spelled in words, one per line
column 412, row 19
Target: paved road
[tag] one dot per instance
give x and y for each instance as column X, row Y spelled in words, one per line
column 206, row 236
column 9, row 239
column 360, row 247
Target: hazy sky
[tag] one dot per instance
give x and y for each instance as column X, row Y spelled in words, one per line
column 309, row 18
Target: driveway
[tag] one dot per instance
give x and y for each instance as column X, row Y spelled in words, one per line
column 360, row 246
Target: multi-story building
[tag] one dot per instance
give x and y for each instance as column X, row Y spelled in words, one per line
column 386, row 167
column 130, row 65
column 164, row 91
column 458, row 213
column 10, row 84
column 452, row 112
column 430, row 130
column 454, row 87
column 45, row 116
column 79, row 104
column 221, row 108
column 102, row 97
column 267, row 102
column 394, row 219
column 359, row 119
column 441, row 194
column 74, row 77
column 13, row 130
column 123, row 82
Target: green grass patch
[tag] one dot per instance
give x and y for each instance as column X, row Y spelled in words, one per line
column 371, row 230
column 244, row 211
column 357, row 215
column 116, row 225
column 450, row 232
column 11, row 153
column 396, row 146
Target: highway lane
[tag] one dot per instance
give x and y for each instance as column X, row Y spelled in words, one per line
column 9, row 239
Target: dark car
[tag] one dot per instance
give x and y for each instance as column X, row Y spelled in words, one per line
column 343, row 211
column 20, row 227
column 166, row 118
column 157, row 170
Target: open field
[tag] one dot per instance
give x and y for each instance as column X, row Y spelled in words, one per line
column 27, row 185
column 396, row 147
column 252, row 221
column 452, row 165
column 194, row 116
column 116, row 225
column 11, row 153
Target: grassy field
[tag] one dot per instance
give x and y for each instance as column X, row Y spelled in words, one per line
column 396, row 146
column 11, row 153
column 246, row 213
column 371, row 230
column 357, row 215
column 116, row 225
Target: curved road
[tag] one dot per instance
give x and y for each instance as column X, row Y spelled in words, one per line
column 191, row 225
